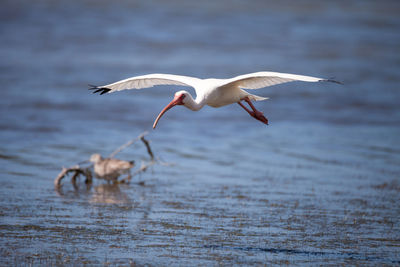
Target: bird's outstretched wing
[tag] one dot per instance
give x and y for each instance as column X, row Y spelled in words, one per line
column 263, row 79
column 146, row 81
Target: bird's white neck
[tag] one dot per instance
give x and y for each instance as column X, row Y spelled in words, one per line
column 194, row 104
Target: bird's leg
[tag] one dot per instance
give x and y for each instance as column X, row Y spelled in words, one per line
column 244, row 107
column 258, row 115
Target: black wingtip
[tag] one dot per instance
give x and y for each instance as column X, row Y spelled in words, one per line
column 97, row 89
column 332, row 80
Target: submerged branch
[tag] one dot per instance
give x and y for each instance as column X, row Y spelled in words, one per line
column 127, row 144
column 144, row 167
column 147, row 144
column 76, row 170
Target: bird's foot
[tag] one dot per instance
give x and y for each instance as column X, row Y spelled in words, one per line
column 258, row 115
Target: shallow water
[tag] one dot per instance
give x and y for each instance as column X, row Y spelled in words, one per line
column 320, row 185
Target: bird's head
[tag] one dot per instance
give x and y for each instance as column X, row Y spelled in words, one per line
column 179, row 99
column 95, row 158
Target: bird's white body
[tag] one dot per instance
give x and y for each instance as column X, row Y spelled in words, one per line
column 212, row 92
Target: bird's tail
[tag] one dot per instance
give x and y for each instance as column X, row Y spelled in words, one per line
column 257, row 98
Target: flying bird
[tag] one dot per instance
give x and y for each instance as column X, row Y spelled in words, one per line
column 212, row 92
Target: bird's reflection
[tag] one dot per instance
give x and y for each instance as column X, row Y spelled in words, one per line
column 109, row 194
column 102, row 193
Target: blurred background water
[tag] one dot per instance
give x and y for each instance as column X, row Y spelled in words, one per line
column 319, row 185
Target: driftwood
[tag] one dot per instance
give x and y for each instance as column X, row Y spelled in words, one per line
column 147, row 144
column 78, row 170
column 140, row 137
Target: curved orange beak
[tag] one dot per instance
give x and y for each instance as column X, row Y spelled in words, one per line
column 178, row 100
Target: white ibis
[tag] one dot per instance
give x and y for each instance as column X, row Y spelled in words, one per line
column 212, row 92
column 109, row 168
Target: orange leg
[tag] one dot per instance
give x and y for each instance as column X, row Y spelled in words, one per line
column 258, row 115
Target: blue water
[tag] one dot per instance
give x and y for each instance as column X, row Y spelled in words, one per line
column 319, row 185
